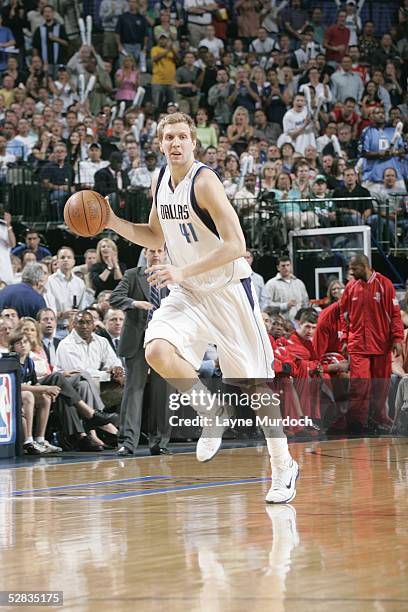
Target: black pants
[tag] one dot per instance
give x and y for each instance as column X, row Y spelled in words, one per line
column 64, row 406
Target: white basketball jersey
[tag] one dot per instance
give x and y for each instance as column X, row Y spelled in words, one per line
column 190, row 233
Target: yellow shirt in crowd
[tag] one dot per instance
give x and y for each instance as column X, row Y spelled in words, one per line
column 164, row 71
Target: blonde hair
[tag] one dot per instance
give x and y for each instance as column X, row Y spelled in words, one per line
column 20, row 326
column 99, row 248
column 240, row 109
column 176, row 118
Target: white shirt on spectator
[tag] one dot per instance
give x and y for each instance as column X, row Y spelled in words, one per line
column 292, row 120
column 278, row 291
column 87, row 170
column 29, row 141
column 6, row 271
column 142, row 177
column 215, row 46
column 97, row 357
column 205, row 18
column 8, row 158
column 64, row 289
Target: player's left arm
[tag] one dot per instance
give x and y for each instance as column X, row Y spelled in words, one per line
column 210, row 196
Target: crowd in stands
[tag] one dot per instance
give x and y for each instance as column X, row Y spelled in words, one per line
column 286, row 102
column 293, row 109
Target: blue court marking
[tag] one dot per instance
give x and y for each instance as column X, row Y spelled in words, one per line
column 100, row 483
column 115, row 496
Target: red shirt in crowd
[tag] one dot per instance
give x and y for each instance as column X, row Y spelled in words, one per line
column 334, row 37
column 327, row 337
column 370, row 316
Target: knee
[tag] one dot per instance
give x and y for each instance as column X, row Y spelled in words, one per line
column 158, row 354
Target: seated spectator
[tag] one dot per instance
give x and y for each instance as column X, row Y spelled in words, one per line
column 85, row 177
column 25, row 297
column 56, row 177
column 107, row 271
column 68, row 290
column 387, row 209
column 113, row 323
column 348, row 210
column 35, row 398
column 323, row 207
column 142, row 176
column 83, row 349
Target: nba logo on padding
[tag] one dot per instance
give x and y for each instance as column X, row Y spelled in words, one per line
column 6, row 420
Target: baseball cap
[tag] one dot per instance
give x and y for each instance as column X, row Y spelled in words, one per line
column 172, row 104
column 150, row 154
column 320, row 178
column 351, row 2
column 95, row 144
column 163, row 34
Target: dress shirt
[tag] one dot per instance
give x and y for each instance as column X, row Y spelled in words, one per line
column 278, row 291
column 64, row 289
column 97, row 357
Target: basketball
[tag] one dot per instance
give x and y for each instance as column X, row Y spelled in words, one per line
column 86, row 213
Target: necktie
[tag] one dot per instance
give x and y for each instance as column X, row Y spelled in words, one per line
column 154, row 299
column 116, row 343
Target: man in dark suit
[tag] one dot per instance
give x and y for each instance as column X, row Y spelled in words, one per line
column 48, row 325
column 133, row 295
column 113, row 322
column 112, row 181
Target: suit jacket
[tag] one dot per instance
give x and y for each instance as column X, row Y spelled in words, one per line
column 106, row 183
column 102, row 332
column 55, row 342
column 133, row 286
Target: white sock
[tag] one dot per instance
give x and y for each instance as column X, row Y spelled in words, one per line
column 40, row 439
column 278, row 451
column 29, row 440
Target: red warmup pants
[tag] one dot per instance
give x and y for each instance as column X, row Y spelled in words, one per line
column 369, row 385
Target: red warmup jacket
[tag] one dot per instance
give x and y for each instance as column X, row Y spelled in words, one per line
column 370, row 316
column 284, row 364
column 328, row 334
column 302, row 350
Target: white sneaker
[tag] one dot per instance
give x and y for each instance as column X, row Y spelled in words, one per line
column 283, row 488
column 50, row 448
column 209, row 443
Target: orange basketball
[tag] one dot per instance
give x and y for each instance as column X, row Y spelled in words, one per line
column 86, row 213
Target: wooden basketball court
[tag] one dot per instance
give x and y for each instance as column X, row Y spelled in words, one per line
column 170, row 533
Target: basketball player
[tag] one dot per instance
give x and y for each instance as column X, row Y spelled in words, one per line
column 212, row 299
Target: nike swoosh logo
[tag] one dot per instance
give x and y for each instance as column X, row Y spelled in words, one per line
column 290, row 483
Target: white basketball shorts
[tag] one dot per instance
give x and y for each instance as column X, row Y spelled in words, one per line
column 230, row 318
